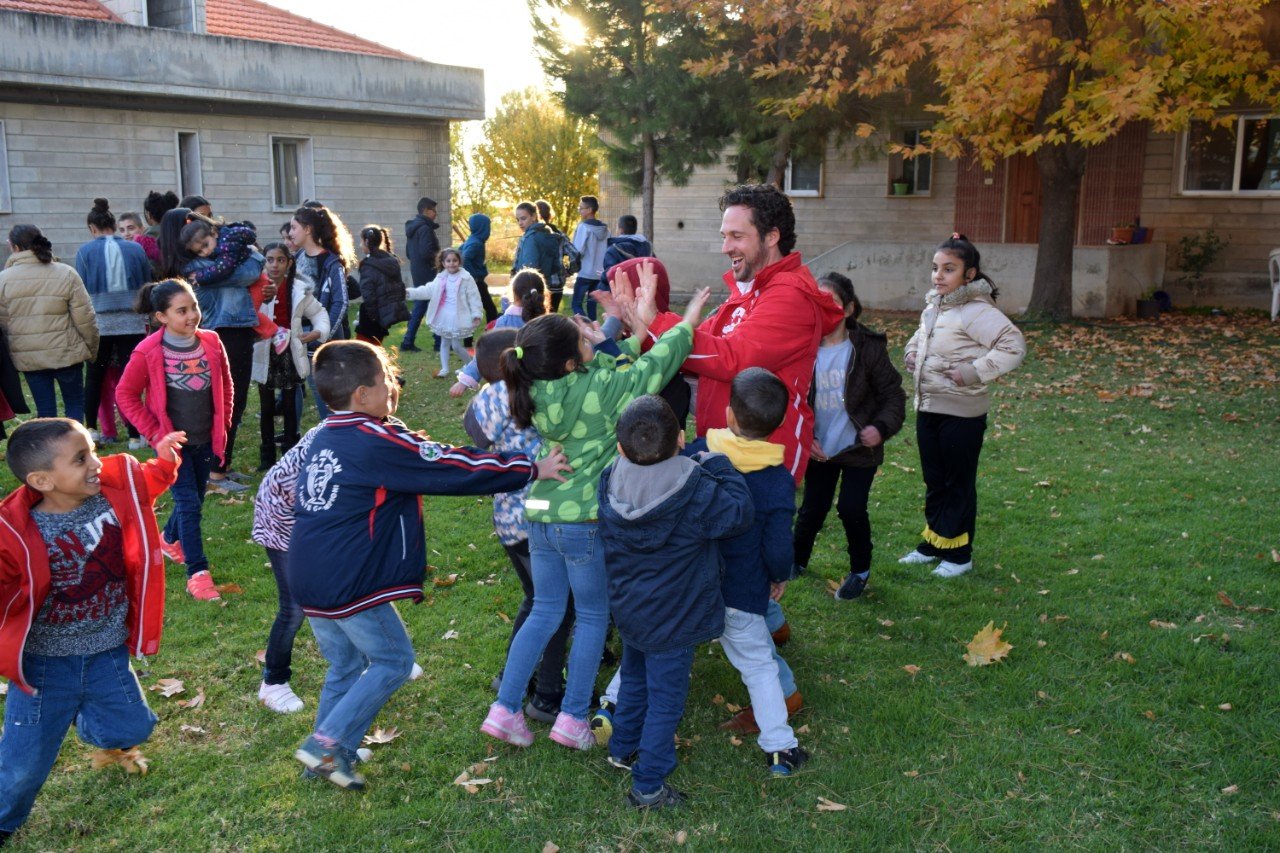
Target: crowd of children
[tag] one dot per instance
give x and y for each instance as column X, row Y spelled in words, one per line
column 605, row 514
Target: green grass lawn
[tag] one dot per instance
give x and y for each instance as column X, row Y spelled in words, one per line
column 1131, row 473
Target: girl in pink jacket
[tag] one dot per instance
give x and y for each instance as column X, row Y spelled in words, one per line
column 178, row 379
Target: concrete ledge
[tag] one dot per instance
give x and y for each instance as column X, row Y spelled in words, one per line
column 73, row 54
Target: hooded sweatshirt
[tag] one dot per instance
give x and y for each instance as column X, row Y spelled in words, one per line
column 964, row 330
column 421, row 247
column 539, row 248
column 624, row 247
column 381, row 293
column 473, row 250
column 659, row 524
column 589, row 238
column 777, row 325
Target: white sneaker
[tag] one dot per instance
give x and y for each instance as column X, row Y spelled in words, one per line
column 416, row 672
column 952, row 570
column 279, row 698
column 916, row 557
column 137, row 443
column 364, row 753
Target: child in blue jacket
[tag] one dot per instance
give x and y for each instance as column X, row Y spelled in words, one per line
column 758, row 562
column 661, row 515
column 358, row 542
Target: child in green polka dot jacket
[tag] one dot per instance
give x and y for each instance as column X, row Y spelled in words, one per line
column 573, row 396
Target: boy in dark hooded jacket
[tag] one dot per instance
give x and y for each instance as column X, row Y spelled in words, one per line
column 660, row 517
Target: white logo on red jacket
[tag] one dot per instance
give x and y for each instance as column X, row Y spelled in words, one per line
column 739, row 314
column 318, row 489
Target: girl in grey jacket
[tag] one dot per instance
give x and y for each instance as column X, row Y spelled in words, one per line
column 963, row 343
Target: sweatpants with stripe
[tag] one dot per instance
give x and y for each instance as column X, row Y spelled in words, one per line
column 949, row 449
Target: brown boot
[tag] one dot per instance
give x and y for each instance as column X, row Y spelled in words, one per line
column 783, row 634
column 744, row 722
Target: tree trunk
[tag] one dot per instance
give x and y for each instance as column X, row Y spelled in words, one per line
column 647, row 180
column 1061, row 173
column 781, row 156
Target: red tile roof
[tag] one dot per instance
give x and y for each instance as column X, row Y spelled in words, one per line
column 250, row 19
column 65, row 8
column 246, row 19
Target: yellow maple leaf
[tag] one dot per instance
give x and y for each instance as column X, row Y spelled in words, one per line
column 987, row 647
column 131, row 760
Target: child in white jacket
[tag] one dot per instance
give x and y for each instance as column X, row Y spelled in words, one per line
column 455, row 306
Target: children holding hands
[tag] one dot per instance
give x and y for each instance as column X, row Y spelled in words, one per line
column 82, row 586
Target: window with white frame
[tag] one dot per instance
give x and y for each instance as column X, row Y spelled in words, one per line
column 916, row 172
column 6, row 197
column 292, row 178
column 190, row 176
column 1242, row 157
column 804, row 176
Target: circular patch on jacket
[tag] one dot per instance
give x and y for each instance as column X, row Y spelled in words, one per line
column 430, row 451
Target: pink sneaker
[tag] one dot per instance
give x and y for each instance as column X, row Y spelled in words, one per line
column 572, row 732
column 172, row 550
column 506, row 725
column 201, row 587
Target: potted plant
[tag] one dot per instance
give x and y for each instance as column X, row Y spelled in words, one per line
column 1196, row 253
column 1122, row 235
column 902, row 186
column 1148, row 305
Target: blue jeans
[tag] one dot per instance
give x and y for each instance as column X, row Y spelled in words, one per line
column 655, row 686
column 369, row 657
column 278, row 666
column 69, row 379
column 99, row 693
column 188, row 504
column 582, row 301
column 774, row 619
column 562, row 557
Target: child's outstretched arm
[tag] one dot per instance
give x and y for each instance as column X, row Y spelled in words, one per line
column 235, row 244
column 160, row 473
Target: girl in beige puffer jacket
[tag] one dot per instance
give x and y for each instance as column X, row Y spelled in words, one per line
column 46, row 313
column 963, row 343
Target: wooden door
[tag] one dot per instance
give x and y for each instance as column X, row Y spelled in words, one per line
column 1022, row 201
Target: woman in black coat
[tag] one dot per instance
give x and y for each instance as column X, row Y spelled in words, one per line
column 858, row 405
column 381, row 287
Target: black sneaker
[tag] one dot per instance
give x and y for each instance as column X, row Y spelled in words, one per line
column 853, row 586
column 623, row 763
column 542, row 710
column 663, row 798
column 786, row 762
column 409, row 348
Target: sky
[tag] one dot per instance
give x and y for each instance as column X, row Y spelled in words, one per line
column 491, row 34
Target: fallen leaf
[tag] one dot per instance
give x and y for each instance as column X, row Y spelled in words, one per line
column 550, row 847
column 717, row 699
column 195, row 701
column 825, row 805
column 504, row 617
column 986, row 647
column 911, row 774
column 682, row 836
column 1275, row 556
column 230, row 588
column 1041, row 644
column 1150, row 715
column 449, row 635
column 1126, row 657
column 832, row 586
column 735, row 740
column 168, row 686
column 1225, row 706
column 261, row 656
column 803, row 730
column 381, row 735
column 1073, row 731
column 130, row 760
column 911, row 669
column 1254, row 608
column 447, row 580
column 888, row 623
column 1104, row 635
column 195, row 730
column 1156, row 623
column 1231, row 789
column 732, row 708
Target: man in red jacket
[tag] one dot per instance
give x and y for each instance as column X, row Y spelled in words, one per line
column 81, row 589
column 775, row 318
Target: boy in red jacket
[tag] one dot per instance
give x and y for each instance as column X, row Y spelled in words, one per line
column 81, row 588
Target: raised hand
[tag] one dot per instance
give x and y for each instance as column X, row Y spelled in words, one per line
column 457, row 389
column 606, row 300
column 590, row 329
column 167, row 447
column 693, row 311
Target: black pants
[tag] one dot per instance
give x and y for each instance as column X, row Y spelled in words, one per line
column 486, row 299
column 949, row 451
column 238, row 345
column 548, row 678
column 269, row 411
column 121, row 347
column 820, row 481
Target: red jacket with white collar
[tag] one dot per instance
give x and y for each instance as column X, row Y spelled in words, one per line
column 131, row 487
column 144, row 375
column 777, row 325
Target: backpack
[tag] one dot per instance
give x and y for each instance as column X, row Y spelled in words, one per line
column 568, row 255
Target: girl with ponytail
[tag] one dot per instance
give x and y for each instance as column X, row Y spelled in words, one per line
column 324, row 255
column 381, row 286
column 48, row 317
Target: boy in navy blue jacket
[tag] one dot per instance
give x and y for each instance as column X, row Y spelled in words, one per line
column 758, row 562
column 358, row 542
column 661, row 515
